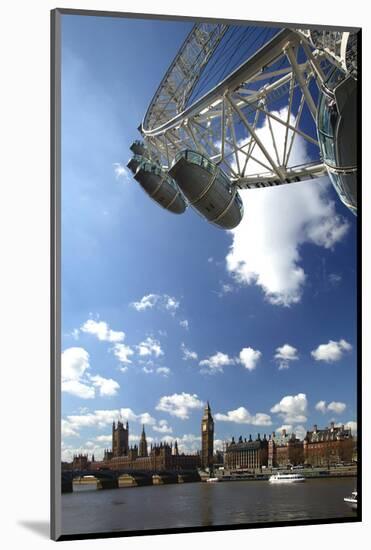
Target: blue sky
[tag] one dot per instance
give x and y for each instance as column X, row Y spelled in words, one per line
column 162, row 312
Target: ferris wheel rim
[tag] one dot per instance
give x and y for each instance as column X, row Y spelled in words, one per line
column 284, row 35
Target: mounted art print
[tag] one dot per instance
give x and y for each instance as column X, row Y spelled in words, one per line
column 206, row 292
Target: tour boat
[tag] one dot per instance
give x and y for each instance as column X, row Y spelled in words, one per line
column 286, row 478
column 352, row 500
column 212, row 479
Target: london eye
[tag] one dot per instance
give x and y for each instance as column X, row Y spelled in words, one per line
column 231, row 108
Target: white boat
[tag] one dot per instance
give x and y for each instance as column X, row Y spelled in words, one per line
column 212, row 479
column 286, row 478
column 352, row 500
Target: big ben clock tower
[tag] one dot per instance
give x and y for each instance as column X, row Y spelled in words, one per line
column 207, row 438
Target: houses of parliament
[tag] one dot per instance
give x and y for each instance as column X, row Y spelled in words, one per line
column 158, row 457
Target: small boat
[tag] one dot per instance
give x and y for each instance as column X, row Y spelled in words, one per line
column 352, row 500
column 212, row 480
column 286, row 478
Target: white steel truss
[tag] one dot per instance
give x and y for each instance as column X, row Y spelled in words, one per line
column 248, row 123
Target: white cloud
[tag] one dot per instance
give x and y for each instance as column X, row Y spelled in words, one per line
column 68, row 430
column 104, row 417
column 292, row 408
column 187, row 353
column 150, row 346
column 179, row 404
column 277, row 222
column 123, row 352
column 321, row 406
column 336, row 407
column 299, row 431
column 164, row 371
column 170, row 303
column 164, row 301
column 249, row 358
column 75, row 362
column 333, row 351
column 121, row 171
column 102, row 331
column 215, row 363
column 78, row 389
column 163, row 427
column 147, row 302
column 184, row 323
column 123, row 369
column 284, row 355
column 107, row 386
column 76, row 379
column 242, row 416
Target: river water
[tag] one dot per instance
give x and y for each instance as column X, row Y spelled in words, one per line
column 203, row 504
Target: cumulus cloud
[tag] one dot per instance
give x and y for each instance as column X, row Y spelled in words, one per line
column 299, row 431
column 102, row 331
column 68, row 430
column 331, row 352
column 163, row 301
column 184, row 323
column 292, row 408
column 242, row 416
column 249, row 358
column 107, row 386
column 215, row 363
column 170, row 304
column 78, row 389
column 187, row 353
column 284, row 355
column 147, row 302
column 179, row 404
column 75, row 364
column 163, row 427
column 123, row 352
column 104, row 417
column 150, row 346
column 321, row 406
column 277, row 222
column 336, row 407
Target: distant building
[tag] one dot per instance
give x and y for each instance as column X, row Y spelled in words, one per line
column 284, row 449
column 207, row 438
column 162, row 456
column 80, row 462
column 246, row 454
column 120, row 439
column 328, row 446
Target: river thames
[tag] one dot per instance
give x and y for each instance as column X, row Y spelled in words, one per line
column 203, row 504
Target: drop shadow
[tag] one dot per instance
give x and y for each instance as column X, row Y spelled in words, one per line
column 41, row 528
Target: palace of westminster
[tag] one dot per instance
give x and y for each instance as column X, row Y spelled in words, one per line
column 318, row 448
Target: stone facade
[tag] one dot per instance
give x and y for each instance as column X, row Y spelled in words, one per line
column 328, row 446
column 246, row 455
column 284, row 449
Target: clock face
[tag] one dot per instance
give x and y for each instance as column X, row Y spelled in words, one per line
column 204, row 427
